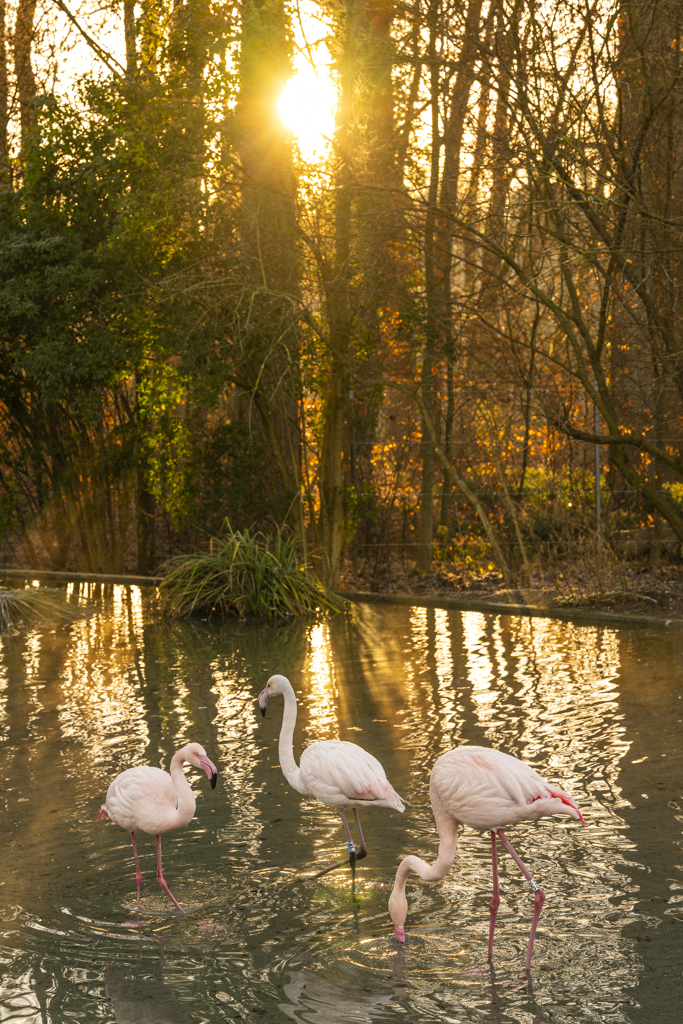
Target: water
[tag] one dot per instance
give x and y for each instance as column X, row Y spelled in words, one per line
column 596, row 709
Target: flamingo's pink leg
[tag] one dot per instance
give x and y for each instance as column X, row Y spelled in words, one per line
column 539, row 895
column 495, row 902
column 138, row 873
column 162, row 881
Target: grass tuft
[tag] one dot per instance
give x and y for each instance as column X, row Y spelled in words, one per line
column 245, row 575
column 35, row 606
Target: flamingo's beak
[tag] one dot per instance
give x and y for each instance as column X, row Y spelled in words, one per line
column 210, row 769
column 263, row 701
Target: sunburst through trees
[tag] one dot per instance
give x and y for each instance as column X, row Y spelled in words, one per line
column 357, row 270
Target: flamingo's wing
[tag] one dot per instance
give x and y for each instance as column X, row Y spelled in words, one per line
column 142, row 800
column 488, row 789
column 343, row 774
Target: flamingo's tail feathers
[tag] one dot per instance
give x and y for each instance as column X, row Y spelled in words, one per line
column 104, row 813
column 380, row 791
column 398, row 803
column 392, row 797
column 570, row 805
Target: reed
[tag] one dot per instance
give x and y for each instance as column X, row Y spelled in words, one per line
column 245, row 575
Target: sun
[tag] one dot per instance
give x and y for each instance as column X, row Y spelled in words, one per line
column 307, row 107
column 308, row 102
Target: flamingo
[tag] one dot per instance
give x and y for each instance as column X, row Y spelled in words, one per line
column 150, row 800
column 484, row 789
column 337, row 773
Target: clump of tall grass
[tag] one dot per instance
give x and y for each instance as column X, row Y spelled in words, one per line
column 34, row 606
column 244, row 575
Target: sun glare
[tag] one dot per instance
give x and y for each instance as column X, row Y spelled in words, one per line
column 308, row 101
column 307, row 108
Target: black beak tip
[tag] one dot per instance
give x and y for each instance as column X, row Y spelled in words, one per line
column 213, row 780
column 263, row 711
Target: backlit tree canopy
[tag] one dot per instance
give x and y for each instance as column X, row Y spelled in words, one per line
column 402, row 338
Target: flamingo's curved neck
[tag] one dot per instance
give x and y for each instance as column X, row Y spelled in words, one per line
column 447, row 827
column 186, row 803
column 289, row 766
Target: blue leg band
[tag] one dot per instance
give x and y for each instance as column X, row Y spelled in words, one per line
column 352, row 848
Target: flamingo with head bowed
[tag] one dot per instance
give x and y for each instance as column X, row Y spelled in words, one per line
column 337, row 773
column 484, row 789
column 150, row 800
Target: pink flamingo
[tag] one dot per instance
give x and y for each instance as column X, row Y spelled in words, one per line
column 150, row 800
column 484, row 789
column 337, row 773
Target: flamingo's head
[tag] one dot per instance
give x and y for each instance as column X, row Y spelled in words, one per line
column 398, row 911
column 196, row 755
column 276, row 684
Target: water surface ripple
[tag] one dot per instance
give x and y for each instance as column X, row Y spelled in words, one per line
column 595, row 709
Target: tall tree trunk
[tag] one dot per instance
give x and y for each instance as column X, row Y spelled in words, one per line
column 129, row 35
column 500, row 178
column 266, row 325
column 23, row 68
column 335, row 401
column 449, row 203
column 4, row 97
column 432, row 298
column 145, row 505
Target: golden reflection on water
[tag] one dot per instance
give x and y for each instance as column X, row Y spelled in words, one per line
column 569, row 699
column 481, row 670
column 451, row 714
column 321, row 698
column 4, row 724
column 32, row 674
column 120, row 687
column 236, row 725
column 101, row 703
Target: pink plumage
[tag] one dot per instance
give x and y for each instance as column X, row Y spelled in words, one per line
column 342, row 774
column 146, row 799
column 485, row 789
column 337, row 773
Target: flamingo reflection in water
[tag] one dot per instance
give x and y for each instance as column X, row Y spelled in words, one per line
column 336, row 996
column 485, row 789
column 337, row 773
column 146, row 799
column 143, row 1000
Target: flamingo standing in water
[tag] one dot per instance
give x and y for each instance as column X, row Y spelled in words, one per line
column 337, row 773
column 484, row 789
column 150, row 800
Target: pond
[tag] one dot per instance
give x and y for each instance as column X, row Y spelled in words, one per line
column 595, row 709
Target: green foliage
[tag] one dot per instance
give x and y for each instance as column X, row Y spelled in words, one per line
column 245, row 575
column 231, row 475
column 97, row 312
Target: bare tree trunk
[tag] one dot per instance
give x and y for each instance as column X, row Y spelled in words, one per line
column 331, row 480
column 268, row 332
column 425, row 521
column 453, row 137
column 145, row 526
column 23, row 68
column 129, row 34
column 4, row 96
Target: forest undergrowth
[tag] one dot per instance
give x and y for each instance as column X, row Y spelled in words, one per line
column 610, row 585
